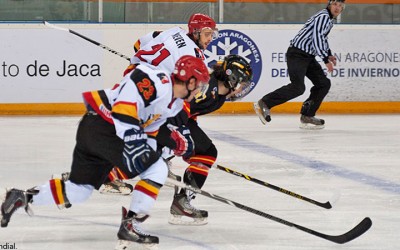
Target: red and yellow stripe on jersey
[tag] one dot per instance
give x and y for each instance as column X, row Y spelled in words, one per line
column 129, row 69
column 136, row 46
column 186, row 108
column 98, row 102
column 147, row 187
column 145, row 39
column 128, row 109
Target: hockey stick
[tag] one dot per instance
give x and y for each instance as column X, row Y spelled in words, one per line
column 87, row 39
column 358, row 230
column 326, row 205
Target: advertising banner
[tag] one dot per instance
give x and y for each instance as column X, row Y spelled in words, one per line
column 43, row 65
column 368, row 60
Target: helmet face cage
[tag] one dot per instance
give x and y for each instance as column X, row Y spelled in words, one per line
column 237, row 70
column 215, row 32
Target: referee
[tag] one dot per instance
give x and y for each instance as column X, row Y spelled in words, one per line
column 311, row 41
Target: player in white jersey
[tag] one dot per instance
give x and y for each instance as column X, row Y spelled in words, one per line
column 161, row 50
column 118, row 129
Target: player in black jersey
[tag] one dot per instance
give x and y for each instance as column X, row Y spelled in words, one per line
column 228, row 80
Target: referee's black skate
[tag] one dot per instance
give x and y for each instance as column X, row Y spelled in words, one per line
column 311, row 122
column 130, row 236
column 15, row 199
column 183, row 213
column 263, row 112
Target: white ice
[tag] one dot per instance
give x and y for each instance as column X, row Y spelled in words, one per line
column 353, row 163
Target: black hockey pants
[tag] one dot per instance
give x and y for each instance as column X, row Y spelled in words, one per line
column 98, row 149
column 300, row 65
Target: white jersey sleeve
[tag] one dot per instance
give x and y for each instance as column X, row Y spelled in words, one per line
column 142, row 41
column 163, row 51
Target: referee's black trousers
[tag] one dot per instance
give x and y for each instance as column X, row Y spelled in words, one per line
column 300, row 65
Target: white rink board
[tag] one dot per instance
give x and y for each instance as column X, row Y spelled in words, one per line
column 33, row 58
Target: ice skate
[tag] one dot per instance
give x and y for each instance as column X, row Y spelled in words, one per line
column 130, row 236
column 262, row 111
column 15, row 199
column 174, row 177
column 183, row 213
column 116, row 187
column 311, row 122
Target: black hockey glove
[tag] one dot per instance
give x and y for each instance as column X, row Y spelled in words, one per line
column 138, row 155
column 180, row 119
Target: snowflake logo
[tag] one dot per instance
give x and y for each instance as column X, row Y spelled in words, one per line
column 234, row 42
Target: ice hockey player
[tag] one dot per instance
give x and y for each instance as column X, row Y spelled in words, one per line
column 118, row 129
column 161, row 50
column 230, row 79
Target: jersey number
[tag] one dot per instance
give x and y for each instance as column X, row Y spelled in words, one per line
column 163, row 53
column 146, row 88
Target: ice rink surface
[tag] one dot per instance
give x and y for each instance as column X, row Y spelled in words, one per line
column 353, row 163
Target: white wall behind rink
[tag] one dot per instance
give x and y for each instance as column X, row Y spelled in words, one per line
column 43, row 65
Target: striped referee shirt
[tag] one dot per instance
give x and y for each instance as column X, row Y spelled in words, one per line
column 313, row 37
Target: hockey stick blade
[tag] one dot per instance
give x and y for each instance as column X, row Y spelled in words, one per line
column 326, row 205
column 357, row 231
column 54, row 26
column 87, row 39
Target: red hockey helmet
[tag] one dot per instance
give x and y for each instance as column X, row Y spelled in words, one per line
column 189, row 66
column 198, row 22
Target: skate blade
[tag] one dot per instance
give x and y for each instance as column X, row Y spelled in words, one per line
column 309, row 126
column 3, row 192
column 186, row 221
column 121, row 191
column 3, row 223
column 128, row 245
column 257, row 109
